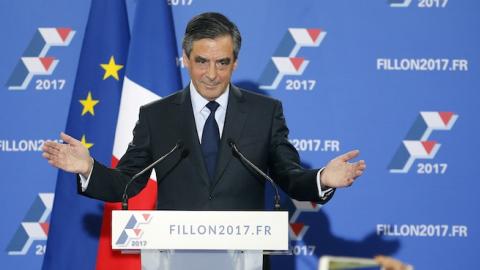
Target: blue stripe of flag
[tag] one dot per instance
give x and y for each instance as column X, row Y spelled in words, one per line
column 153, row 49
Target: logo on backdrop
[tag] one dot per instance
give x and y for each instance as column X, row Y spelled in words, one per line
column 34, row 60
column 419, row 3
column 399, row 3
column 33, row 227
column 132, row 230
column 416, row 144
column 298, row 229
column 285, row 61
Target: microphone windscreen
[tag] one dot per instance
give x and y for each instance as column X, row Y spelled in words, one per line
column 180, row 144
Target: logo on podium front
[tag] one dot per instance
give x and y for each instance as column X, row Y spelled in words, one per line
column 132, row 230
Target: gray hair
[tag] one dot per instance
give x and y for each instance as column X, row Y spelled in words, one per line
column 211, row 25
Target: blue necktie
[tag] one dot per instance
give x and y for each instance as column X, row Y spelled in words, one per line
column 211, row 140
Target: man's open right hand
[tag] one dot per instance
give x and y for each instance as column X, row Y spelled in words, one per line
column 72, row 156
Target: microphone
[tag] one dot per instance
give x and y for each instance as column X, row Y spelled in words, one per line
column 232, row 144
column 178, row 146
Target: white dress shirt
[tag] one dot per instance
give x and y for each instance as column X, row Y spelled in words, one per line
column 201, row 112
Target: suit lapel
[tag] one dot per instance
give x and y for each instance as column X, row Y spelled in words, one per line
column 189, row 135
column 234, row 123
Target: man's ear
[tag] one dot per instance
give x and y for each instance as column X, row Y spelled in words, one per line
column 185, row 59
column 235, row 64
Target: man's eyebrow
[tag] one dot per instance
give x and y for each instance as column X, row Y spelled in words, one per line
column 197, row 58
column 226, row 59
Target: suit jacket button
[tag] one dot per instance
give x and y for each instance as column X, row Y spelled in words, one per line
column 210, row 197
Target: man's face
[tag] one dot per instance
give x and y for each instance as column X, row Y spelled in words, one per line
column 211, row 64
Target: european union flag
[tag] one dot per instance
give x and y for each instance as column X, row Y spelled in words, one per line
column 76, row 220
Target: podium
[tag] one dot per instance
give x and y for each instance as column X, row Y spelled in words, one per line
column 178, row 240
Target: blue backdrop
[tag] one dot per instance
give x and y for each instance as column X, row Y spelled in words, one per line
column 397, row 79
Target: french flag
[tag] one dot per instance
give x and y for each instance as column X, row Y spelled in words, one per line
column 152, row 73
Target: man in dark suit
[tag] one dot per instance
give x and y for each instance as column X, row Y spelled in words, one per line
column 206, row 115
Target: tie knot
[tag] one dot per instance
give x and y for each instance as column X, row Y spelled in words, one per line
column 212, row 106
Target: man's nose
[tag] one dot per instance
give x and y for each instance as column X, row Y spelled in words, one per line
column 212, row 71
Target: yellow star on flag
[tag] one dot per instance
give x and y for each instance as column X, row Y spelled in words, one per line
column 111, row 69
column 88, row 104
column 85, row 143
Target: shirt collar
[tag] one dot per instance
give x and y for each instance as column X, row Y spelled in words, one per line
column 199, row 102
